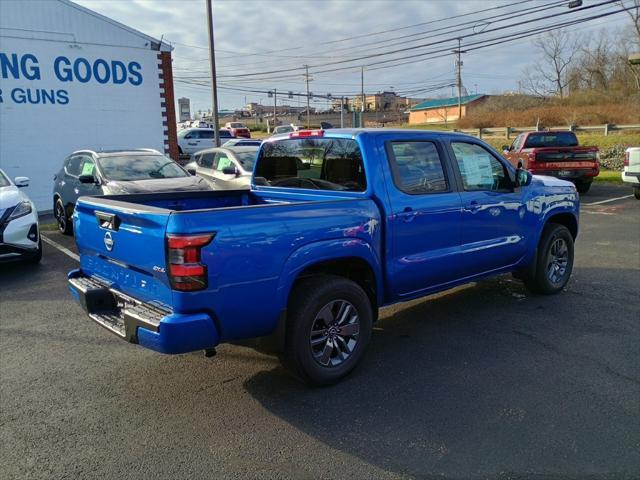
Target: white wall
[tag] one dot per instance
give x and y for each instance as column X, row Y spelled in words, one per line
column 36, row 135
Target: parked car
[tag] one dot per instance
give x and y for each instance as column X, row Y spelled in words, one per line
column 226, row 168
column 631, row 171
column 305, row 258
column 88, row 172
column 238, row 129
column 555, row 153
column 242, row 142
column 19, row 228
column 280, row 129
column 191, row 140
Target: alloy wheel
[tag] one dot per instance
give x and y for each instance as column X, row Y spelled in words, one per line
column 557, row 261
column 334, row 333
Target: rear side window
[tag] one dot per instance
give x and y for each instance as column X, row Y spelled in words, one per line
column 417, row 167
column 206, row 160
column 551, row 139
column 313, row 163
column 205, row 134
column 72, row 165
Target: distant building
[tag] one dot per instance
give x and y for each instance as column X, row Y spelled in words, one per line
column 443, row 110
column 379, row 102
column 184, row 109
column 257, row 110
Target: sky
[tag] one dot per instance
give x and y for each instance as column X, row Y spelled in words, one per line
column 279, row 36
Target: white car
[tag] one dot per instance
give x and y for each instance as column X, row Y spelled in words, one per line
column 631, row 171
column 192, row 140
column 19, row 229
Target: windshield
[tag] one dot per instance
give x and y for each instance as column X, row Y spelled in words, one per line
column 236, row 125
column 313, row 163
column 4, row 181
column 140, row 167
column 551, row 139
column 247, row 159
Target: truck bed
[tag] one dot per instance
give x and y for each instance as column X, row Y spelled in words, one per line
column 122, row 240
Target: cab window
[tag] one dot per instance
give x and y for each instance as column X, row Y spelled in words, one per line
column 479, row 169
column 417, row 167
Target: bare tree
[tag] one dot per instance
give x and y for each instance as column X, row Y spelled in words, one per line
column 549, row 75
column 633, row 10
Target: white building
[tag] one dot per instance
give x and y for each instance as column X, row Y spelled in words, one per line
column 71, row 79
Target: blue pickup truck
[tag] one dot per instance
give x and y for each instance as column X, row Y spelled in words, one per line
column 336, row 224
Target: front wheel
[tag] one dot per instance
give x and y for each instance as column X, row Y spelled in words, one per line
column 636, row 192
column 553, row 262
column 35, row 259
column 64, row 225
column 329, row 325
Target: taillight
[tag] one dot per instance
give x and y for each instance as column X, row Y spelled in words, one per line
column 186, row 273
column 531, row 161
column 626, row 158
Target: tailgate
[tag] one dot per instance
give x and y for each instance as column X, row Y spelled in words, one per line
column 124, row 245
column 567, row 154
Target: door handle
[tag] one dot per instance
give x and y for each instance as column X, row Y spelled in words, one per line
column 408, row 214
column 473, row 207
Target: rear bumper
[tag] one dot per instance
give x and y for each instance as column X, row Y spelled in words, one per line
column 149, row 325
column 571, row 174
column 629, row 177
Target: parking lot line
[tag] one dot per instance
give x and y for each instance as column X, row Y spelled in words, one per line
column 64, row 250
column 608, row 200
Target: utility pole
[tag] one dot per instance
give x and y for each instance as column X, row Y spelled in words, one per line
column 306, row 77
column 459, row 80
column 342, row 112
column 275, row 108
column 214, row 83
column 362, row 86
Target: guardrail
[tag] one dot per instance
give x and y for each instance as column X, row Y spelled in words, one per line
column 507, row 132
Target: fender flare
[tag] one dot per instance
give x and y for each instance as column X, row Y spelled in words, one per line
column 318, row 252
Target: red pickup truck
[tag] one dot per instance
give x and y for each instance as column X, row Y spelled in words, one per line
column 238, row 129
column 555, row 153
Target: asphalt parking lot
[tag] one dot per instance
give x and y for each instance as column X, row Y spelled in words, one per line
column 485, row 382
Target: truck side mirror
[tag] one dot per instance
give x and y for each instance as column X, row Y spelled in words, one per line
column 505, row 148
column 523, row 177
column 192, row 171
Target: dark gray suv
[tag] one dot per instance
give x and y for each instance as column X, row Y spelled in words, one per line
column 87, row 172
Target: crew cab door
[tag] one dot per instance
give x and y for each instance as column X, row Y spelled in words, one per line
column 424, row 219
column 492, row 209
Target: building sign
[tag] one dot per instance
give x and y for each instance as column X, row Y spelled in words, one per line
column 30, row 72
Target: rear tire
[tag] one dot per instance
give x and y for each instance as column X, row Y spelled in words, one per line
column 60, row 212
column 636, row 193
column 329, row 324
column 583, row 187
column 553, row 262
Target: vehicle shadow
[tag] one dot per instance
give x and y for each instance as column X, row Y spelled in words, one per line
column 470, row 385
